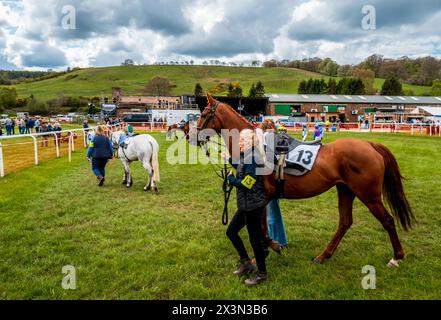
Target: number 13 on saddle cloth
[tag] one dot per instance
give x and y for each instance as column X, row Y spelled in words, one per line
column 299, row 160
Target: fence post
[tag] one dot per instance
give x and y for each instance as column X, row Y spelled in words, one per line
column 72, row 140
column 56, row 144
column 85, row 138
column 2, row 169
column 70, row 148
column 35, row 150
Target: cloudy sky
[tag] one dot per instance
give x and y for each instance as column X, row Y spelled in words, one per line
column 42, row 34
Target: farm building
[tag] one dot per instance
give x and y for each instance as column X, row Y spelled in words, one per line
column 145, row 109
column 349, row 108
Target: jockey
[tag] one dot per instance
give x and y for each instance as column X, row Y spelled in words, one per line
column 181, row 124
column 128, row 132
column 304, row 132
column 318, row 132
column 322, row 131
column 90, row 135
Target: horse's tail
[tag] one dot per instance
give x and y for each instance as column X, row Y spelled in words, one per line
column 155, row 162
column 393, row 191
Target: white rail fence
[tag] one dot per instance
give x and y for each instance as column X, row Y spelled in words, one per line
column 57, row 139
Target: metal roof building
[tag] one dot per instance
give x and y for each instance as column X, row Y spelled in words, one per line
column 348, row 108
column 359, row 99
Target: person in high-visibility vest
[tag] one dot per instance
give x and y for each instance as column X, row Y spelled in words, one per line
column 251, row 207
column 99, row 152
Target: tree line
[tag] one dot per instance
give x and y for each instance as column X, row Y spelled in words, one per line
column 234, row 90
column 12, row 77
column 348, row 86
column 418, row 71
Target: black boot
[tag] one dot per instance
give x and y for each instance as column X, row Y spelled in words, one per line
column 101, row 179
column 258, row 278
column 245, row 267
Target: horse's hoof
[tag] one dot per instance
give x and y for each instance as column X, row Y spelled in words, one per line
column 128, row 185
column 147, row 189
column 393, row 263
column 156, row 190
column 124, row 182
column 318, row 260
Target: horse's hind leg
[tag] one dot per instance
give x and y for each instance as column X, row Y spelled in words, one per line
column 128, row 175
column 345, row 202
column 125, row 177
column 377, row 208
column 149, row 170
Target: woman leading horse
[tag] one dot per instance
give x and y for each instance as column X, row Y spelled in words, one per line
column 358, row 168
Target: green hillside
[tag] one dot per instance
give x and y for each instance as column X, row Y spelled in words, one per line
column 98, row 81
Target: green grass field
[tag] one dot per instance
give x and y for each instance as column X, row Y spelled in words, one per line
column 132, row 79
column 128, row 244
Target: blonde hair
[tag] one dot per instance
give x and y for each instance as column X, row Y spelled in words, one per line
column 249, row 137
column 99, row 129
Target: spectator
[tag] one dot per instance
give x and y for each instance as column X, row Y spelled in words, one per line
column 13, row 126
column 21, row 126
column 57, row 130
column 44, row 138
column 31, row 124
column 26, row 125
column 276, row 226
column 8, row 126
column 37, row 125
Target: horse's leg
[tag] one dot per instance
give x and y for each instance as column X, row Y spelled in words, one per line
column 149, row 170
column 125, row 177
column 345, row 202
column 129, row 180
column 377, row 208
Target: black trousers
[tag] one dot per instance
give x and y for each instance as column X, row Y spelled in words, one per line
column 251, row 219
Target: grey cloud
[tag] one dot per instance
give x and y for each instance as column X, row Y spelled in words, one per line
column 388, row 13
column 343, row 21
column 249, row 29
column 44, row 56
column 101, row 17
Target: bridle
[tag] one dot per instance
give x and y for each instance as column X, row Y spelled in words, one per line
column 116, row 147
column 211, row 114
column 226, row 188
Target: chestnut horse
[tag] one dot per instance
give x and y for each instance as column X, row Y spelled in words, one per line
column 174, row 127
column 358, row 168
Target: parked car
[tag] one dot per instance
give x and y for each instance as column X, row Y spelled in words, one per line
column 22, row 114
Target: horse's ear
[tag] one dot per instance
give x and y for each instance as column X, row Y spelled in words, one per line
column 210, row 99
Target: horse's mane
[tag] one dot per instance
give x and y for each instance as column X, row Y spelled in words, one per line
column 237, row 113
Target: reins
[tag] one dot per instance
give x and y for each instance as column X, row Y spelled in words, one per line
column 226, row 188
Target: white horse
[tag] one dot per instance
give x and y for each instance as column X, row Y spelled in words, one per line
column 141, row 147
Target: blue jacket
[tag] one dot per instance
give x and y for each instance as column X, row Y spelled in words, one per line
column 100, row 147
